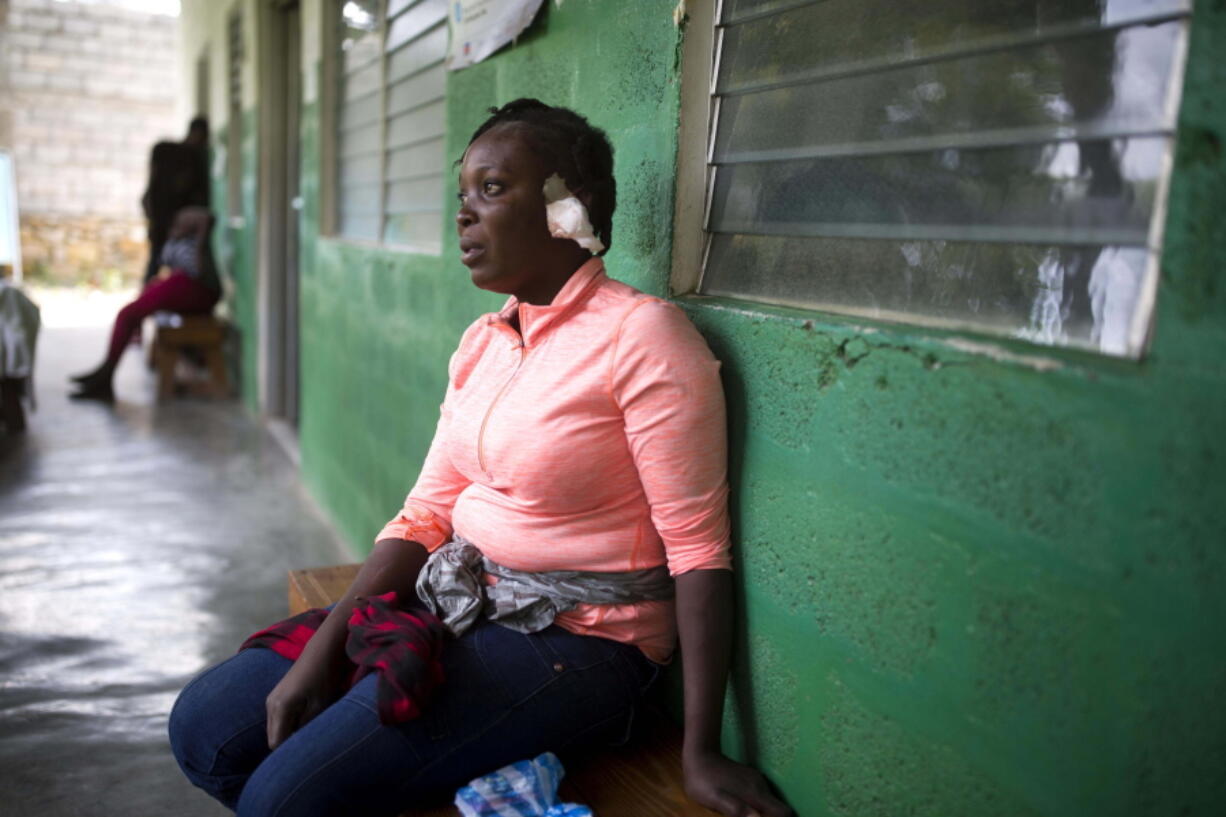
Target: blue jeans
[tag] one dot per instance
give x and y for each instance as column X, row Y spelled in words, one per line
column 506, row 697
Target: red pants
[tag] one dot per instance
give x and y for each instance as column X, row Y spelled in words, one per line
column 178, row 293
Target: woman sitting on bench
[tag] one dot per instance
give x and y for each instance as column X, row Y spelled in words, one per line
column 186, row 283
column 580, row 464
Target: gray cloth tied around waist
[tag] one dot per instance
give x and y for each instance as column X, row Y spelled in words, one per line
column 453, row 586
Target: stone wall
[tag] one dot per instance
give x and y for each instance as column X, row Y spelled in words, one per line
column 102, row 251
column 85, row 91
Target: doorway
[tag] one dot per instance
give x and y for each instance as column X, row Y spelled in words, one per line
column 281, row 206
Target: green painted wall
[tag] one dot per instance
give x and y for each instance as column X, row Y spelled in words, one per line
column 234, row 246
column 975, row 588
column 969, row 587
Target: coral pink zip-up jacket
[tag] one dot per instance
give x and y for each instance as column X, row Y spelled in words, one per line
column 595, row 440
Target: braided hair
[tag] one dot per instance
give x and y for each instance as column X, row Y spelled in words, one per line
column 580, row 152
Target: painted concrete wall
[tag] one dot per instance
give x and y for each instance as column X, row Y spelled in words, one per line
column 975, row 586
column 973, row 582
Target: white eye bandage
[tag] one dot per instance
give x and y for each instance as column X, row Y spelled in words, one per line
column 567, row 217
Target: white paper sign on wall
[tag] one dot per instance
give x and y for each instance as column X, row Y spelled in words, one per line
column 481, row 27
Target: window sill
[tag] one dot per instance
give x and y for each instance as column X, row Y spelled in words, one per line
column 937, row 344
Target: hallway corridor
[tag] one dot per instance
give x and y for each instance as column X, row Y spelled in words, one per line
column 138, row 543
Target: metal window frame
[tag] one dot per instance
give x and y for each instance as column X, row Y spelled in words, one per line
column 330, row 97
column 235, row 59
column 694, row 144
column 697, row 171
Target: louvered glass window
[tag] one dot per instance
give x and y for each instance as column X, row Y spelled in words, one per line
column 390, row 121
column 234, row 114
column 999, row 165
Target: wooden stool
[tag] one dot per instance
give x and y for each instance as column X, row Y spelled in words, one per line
column 174, row 333
column 641, row 779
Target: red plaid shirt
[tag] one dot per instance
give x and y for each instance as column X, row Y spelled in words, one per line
column 402, row 644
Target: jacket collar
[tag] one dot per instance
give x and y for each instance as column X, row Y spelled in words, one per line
column 536, row 321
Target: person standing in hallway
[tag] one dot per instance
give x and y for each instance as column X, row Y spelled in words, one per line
column 178, row 178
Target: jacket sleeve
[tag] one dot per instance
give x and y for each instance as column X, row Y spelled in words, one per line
column 426, row 515
column 666, row 383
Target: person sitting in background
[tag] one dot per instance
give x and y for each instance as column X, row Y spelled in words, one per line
column 186, row 282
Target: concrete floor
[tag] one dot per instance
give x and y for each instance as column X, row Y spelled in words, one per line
column 138, row 544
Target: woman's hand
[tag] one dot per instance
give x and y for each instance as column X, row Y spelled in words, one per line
column 731, row 788
column 305, row 691
column 704, row 622
column 321, row 674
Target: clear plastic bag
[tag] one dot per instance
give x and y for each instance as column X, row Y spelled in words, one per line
column 528, row 787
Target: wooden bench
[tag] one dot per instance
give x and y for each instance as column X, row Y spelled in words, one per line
column 641, row 779
column 175, row 333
